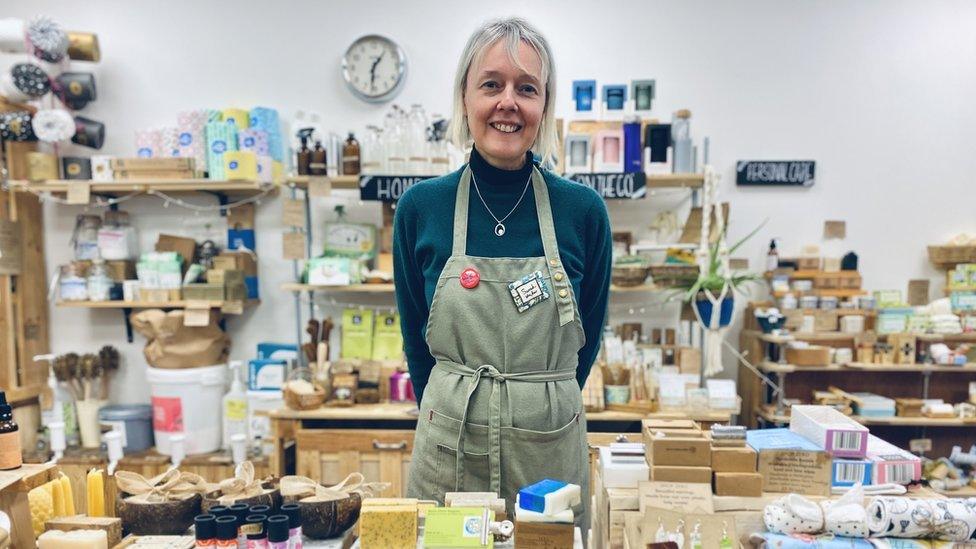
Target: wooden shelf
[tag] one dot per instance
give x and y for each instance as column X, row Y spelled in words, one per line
column 774, row 367
column 949, row 291
column 27, row 477
column 769, row 414
column 825, row 292
column 127, row 186
column 354, row 288
column 144, row 304
column 654, row 181
column 807, row 336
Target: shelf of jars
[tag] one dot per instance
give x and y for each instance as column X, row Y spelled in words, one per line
column 128, row 186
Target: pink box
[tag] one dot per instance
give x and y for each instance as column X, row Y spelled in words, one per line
column 891, row 463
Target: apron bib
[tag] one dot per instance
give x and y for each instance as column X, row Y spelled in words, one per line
column 502, row 408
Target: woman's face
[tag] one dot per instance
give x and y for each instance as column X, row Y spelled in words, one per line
column 504, row 104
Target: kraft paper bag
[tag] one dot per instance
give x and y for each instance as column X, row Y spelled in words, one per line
column 173, row 345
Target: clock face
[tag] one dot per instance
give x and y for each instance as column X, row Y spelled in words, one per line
column 375, row 68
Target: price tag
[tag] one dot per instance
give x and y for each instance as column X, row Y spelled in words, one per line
column 79, row 192
column 319, row 186
column 293, row 212
column 197, row 313
column 920, row 445
column 232, row 307
column 683, row 497
column 293, row 246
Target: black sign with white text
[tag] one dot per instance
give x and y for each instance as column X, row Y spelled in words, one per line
column 625, row 185
column 768, row 173
column 387, row 188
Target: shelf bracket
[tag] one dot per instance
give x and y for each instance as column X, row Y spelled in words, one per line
column 126, row 312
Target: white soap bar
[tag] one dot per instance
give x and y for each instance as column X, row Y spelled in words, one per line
column 548, row 496
column 522, row 515
column 76, row 539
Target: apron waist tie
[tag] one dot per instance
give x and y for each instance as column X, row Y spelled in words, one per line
column 494, row 411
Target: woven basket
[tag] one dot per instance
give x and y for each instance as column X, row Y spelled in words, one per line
column 952, row 255
column 665, row 276
column 296, row 401
column 629, row 275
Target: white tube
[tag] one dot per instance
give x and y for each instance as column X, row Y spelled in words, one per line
column 113, row 440
column 58, row 443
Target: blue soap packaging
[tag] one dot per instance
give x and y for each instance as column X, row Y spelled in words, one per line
column 549, row 497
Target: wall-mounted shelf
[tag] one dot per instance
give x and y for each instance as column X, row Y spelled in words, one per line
column 127, row 186
column 771, row 416
column 146, row 304
column 654, row 181
column 774, row 367
column 357, row 288
column 825, row 292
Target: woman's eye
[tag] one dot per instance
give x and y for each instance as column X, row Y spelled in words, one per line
column 528, row 88
column 490, row 85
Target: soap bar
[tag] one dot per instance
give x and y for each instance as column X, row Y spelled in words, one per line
column 562, row 517
column 549, row 496
column 388, row 527
column 77, row 539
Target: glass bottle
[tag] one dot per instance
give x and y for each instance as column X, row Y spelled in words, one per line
column 72, row 283
column 396, row 162
column 99, row 281
column 371, row 152
column 351, row 156
column 85, row 237
column 416, row 134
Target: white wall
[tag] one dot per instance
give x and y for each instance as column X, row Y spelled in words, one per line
column 878, row 92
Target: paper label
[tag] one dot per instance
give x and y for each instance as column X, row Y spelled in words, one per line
column 10, row 456
column 197, row 314
column 293, row 246
column 805, row 473
column 687, row 497
column 79, row 193
column 293, row 212
column 235, row 410
column 167, row 414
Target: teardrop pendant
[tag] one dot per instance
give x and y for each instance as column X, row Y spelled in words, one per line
column 500, row 230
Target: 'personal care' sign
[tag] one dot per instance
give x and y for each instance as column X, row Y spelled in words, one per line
column 626, row 185
column 768, row 173
column 387, row 188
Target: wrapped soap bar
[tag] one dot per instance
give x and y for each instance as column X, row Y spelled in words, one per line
column 76, row 539
column 221, row 137
column 253, row 139
column 239, row 117
column 240, row 165
column 266, row 119
column 191, row 126
column 148, row 143
column 523, row 515
column 549, row 496
column 388, row 527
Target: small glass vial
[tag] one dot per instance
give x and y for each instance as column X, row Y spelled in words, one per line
column 350, row 156
column 277, row 532
column 10, row 453
column 99, row 282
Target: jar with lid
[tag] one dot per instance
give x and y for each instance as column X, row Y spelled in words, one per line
column 72, row 282
column 99, row 281
column 117, row 240
column 84, row 240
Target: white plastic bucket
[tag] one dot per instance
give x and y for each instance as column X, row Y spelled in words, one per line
column 187, row 401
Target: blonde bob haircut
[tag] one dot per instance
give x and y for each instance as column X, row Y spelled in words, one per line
column 512, row 31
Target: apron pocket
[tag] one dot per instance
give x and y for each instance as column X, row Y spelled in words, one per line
column 530, row 456
column 476, row 477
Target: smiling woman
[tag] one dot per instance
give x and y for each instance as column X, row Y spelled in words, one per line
column 501, row 328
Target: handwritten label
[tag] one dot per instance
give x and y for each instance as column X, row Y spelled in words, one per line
column 611, row 186
column 769, row 173
column 197, row 313
column 319, row 186
column 79, row 192
column 293, row 212
column 387, row 188
column 686, row 497
column 801, row 472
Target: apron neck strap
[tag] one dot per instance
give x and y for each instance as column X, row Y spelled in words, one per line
column 542, row 208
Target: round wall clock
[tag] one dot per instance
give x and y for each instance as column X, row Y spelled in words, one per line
column 375, row 68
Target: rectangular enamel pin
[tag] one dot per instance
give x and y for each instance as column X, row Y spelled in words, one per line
column 529, row 290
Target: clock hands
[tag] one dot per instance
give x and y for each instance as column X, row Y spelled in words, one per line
column 372, row 69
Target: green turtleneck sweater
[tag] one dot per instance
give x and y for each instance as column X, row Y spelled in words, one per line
column 422, row 238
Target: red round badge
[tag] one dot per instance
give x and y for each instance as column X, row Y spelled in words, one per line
column 470, row 278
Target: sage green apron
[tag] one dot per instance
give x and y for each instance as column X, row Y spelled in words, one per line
column 502, row 408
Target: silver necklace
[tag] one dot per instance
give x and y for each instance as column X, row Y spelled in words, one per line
column 500, row 225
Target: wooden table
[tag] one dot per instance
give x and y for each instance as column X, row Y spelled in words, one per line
column 328, row 443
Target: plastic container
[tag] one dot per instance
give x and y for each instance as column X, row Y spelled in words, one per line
column 187, row 401
column 117, row 240
column 99, row 282
column 133, row 421
column 85, row 237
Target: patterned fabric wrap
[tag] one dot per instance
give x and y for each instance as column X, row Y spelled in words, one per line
column 17, row 126
column 254, row 140
column 169, row 140
column 30, row 79
column 48, row 39
column 149, row 143
column 793, row 514
column 944, row 519
column 221, row 137
column 192, row 136
column 53, row 125
column 267, row 119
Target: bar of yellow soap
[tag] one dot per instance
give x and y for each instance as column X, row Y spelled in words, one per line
column 96, row 493
column 388, row 527
column 57, row 497
column 69, row 495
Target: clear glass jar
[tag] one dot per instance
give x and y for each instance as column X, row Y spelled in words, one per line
column 117, row 240
column 99, row 282
column 72, row 283
column 85, row 237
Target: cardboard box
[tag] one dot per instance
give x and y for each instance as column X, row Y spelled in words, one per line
column 675, row 473
column 153, row 164
column 228, row 277
column 803, row 472
column 734, row 460
column 670, row 424
column 739, row 484
column 243, row 261
column 830, row 430
column 121, row 270
column 541, row 535
column 388, row 527
column 186, row 247
column 622, row 471
column 235, row 292
column 687, row 451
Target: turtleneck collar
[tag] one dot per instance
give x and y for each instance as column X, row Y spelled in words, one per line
column 490, row 175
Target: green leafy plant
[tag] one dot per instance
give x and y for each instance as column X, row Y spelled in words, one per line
column 713, row 280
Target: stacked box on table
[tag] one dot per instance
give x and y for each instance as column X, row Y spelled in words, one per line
column 891, row 464
column 830, row 430
column 623, row 465
column 781, row 452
